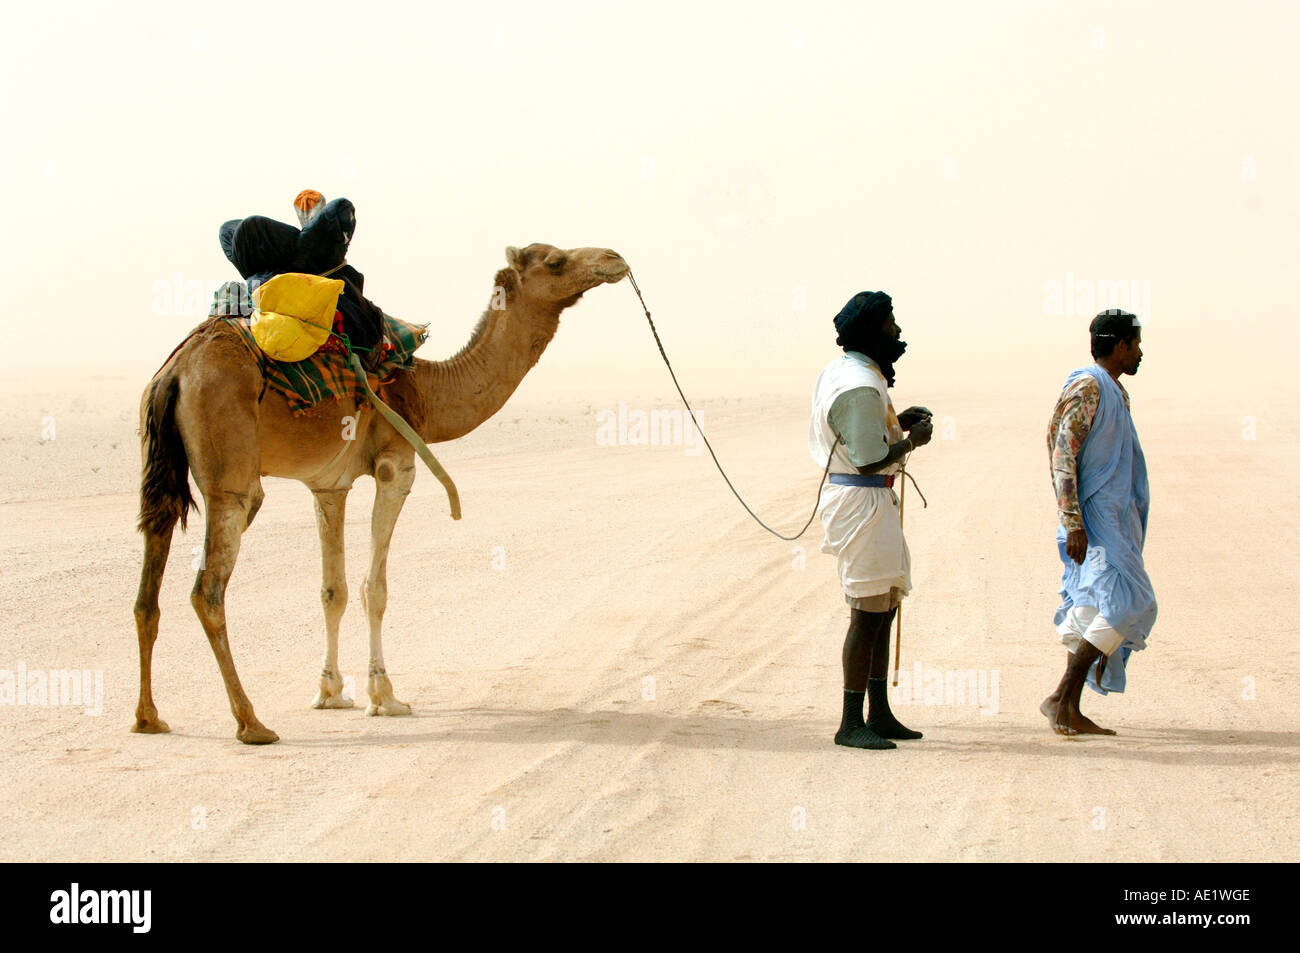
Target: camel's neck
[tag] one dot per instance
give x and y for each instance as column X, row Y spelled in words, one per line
column 458, row 394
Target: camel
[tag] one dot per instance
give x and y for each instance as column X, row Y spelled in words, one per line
column 205, row 413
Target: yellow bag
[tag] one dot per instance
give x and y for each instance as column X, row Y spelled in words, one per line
column 295, row 315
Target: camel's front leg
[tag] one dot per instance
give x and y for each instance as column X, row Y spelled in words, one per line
column 393, row 480
column 333, row 594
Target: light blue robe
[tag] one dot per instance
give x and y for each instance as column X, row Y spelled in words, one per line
column 1114, row 497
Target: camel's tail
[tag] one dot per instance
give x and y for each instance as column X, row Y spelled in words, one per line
column 164, row 482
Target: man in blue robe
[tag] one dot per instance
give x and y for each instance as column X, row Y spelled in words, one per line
column 1108, row 605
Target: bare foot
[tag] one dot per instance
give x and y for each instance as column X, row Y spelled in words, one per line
column 1086, row 726
column 1050, row 704
column 1074, row 722
column 150, row 726
column 1061, row 724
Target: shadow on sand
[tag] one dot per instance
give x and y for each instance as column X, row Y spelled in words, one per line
column 721, row 731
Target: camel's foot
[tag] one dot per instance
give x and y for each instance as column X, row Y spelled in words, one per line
column 331, row 694
column 256, row 733
column 390, row 707
column 382, row 702
column 148, row 723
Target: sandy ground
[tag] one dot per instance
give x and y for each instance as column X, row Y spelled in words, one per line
column 608, row 661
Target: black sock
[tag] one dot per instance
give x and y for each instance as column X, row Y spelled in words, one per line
column 879, row 718
column 853, row 732
column 852, row 717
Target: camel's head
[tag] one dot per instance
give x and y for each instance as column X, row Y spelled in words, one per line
column 546, row 274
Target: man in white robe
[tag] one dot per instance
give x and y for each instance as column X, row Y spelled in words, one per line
column 854, row 424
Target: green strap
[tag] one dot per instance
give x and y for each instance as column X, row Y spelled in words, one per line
column 402, row 427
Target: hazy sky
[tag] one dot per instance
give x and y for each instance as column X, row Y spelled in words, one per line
column 755, row 168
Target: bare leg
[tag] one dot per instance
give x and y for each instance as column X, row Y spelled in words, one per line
column 227, row 516
column 1069, row 720
column 1052, row 701
column 156, row 547
column 333, row 594
column 393, row 480
column 858, row 644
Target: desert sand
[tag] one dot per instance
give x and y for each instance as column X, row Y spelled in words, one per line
column 608, row 660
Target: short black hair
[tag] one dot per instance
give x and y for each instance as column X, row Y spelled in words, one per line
column 1109, row 328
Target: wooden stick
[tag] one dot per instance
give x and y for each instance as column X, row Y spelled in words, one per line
column 898, row 638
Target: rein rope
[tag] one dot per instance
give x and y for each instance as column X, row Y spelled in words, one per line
column 691, row 411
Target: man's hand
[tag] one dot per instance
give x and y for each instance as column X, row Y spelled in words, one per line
column 921, row 432
column 1076, row 545
column 912, row 416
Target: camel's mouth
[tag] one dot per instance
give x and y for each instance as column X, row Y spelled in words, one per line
column 612, row 273
column 609, row 267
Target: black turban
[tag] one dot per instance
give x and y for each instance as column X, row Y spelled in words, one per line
column 862, row 317
column 860, row 324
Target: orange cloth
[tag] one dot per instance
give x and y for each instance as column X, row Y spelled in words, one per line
column 307, row 203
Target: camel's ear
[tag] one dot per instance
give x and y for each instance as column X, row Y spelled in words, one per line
column 507, row 283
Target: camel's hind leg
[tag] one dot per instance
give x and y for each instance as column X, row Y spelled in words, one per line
column 157, row 544
column 333, row 594
column 227, row 516
column 394, row 477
